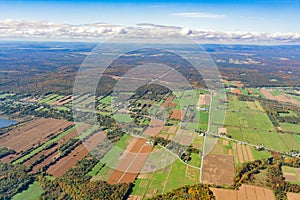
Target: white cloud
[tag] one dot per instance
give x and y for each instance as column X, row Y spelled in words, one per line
column 186, row 31
column 40, row 30
column 199, row 15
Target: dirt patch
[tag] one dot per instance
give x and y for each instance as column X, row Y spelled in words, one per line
column 177, row 114
column 218, row 169
column 245, row 192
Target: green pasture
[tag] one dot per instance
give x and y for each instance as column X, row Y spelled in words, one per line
column 33, row 192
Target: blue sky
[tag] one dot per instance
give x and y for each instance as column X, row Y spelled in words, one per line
column 219, row 15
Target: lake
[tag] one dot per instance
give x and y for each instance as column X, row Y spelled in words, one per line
column 6, row 122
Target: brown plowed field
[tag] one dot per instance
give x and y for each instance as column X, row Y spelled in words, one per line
column 77, row 154
column 177, row 114
column 154, row 127
column 132, row 163
column 94, row 140
column 37, row 156
column 9, row 158
column 60, row 142
column 245, row 192
column 218, row 169
column 293, row 196
column 67, row 162
column 167, row 102
column 32, row 134
column 64, row 100
column 48, row 160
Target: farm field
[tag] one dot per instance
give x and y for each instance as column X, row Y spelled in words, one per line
column 106, row 100
column 131, row 162
column 48, row 98
column 53, row 152
column 222, row 147
column 177, row 114
column 250, row 124
column 197, row 141
column 33, row 192
column 164, row 180
column 242, row 153
column 71, row 132
column 183, row 137
column 64, row 100
column 291, row 128
column 293, row 196
column 278, row 95
column 167, row 102
column 67, row 162
column 260, row 154
column 204, row 99
column 154, row 128
column 32, row 134
column 75, row 155
column 271, row 140
column 125, row 118
column 245, row 192
column 291, row 174
column 218, row 169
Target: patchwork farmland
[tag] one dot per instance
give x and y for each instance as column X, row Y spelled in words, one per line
column 31, row 135
column 58, row 148
column 245, row 192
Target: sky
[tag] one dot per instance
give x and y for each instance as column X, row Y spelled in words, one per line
column 218, row 15
column 255, row 16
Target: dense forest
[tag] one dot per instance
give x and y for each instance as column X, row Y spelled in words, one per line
column 14, row 178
